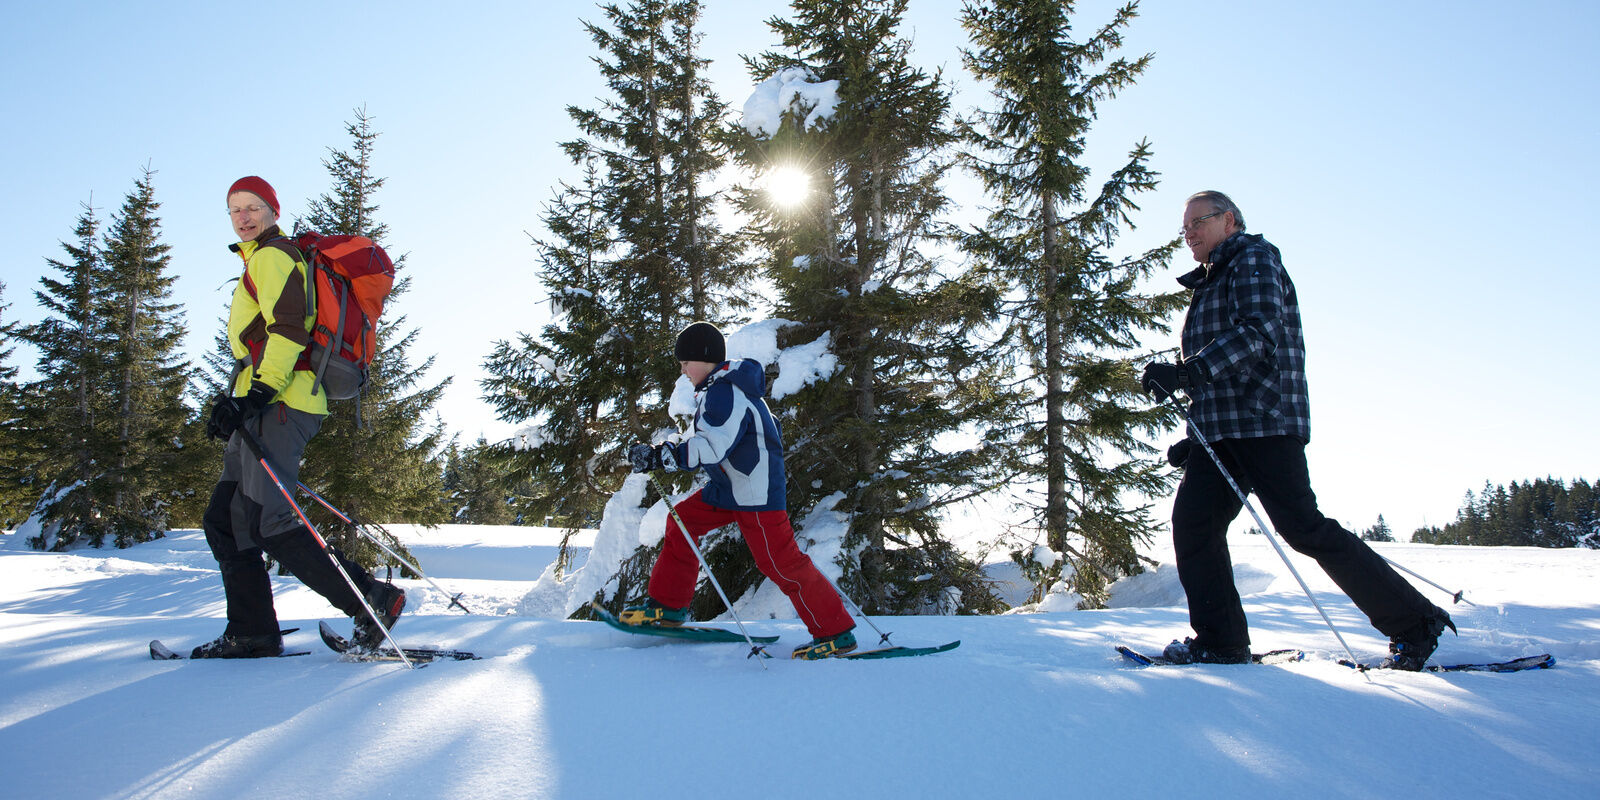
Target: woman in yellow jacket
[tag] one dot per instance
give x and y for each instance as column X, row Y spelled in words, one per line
column 269, row 326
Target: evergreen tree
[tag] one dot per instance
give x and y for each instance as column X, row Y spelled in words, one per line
column 474, row 483
column 206, row 383
column 1537, row 513
column 634, row 255
column 1379, row 532
column 389, row 467
column 64, row 411
column 149, row 373
column 108, row 411
column 852, row 270
column 1072, row 315
column 16, row 492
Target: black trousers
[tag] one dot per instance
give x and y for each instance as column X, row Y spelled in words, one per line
column 1274, row 468
column 245, row 582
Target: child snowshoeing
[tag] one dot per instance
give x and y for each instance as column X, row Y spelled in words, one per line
column 736, row 443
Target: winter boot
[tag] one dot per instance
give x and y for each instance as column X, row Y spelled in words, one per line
column 826, row 646
column 652, row 613
column 1190, row 651
column 388, row 600
column 233, row 646
column 1410, row 650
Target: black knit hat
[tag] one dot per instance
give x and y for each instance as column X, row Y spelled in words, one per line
column 701, row 342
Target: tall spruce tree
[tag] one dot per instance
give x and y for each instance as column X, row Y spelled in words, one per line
column 1074, row 314
column 390, row 467
column 151, row 435
column 852, row 271
column 112, row 360
column 64, row 412
column 633, row 254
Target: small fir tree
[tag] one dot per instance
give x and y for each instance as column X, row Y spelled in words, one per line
column 474, row 484
column 1379, row 532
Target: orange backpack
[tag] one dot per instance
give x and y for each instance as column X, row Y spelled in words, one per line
column 351, row 278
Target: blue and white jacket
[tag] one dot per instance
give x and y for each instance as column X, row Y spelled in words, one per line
column 736, row 440
column 1243, row 333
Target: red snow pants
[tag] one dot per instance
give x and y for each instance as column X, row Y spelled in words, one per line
column 770, row 538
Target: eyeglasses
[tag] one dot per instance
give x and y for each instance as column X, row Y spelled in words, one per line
column 1194, row 224
column 253, row 209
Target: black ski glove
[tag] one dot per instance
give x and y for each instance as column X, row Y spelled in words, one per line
column 648, row 458
column 224, row 418
column 644, row 458
column 1178, row 454
column 228, row 413
column 1162, row 379
column 256, row 400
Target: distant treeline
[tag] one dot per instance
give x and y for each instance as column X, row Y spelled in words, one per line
column 1540, row 513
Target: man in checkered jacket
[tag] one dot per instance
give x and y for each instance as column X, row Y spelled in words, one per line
column 1243, row 369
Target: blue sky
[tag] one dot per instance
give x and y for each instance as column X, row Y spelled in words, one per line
column 1427, row 169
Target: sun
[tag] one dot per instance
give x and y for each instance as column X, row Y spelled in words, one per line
column 788, row 186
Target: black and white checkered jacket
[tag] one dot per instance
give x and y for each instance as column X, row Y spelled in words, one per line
column 1243, row 335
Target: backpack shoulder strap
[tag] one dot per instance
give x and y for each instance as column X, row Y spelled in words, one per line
column 287, row 245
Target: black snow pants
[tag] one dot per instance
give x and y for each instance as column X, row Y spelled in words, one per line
column 1274, row 468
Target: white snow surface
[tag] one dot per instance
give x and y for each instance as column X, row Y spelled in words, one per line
column 1030, row 705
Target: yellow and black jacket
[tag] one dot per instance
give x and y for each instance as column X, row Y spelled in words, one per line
column 269, row 324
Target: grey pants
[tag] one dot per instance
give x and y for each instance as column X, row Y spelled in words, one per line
column 248, row 514
column 283, row 433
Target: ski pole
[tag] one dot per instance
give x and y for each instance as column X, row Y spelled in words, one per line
column 755, row 649
column 1459, row 597
column 361, row 528
column 1272, row 536
column 261, row 457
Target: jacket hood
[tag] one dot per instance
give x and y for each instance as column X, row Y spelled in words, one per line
column 745, row 373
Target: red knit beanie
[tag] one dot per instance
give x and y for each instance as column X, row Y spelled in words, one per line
column 259, row 188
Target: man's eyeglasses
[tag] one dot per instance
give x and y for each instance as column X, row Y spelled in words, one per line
column 1191, row 225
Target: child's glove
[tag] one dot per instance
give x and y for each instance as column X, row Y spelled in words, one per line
column 644, row 458
column 647, row 458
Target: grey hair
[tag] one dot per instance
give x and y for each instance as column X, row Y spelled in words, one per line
column 1221, row 204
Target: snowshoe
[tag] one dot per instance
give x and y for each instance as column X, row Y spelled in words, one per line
column 826, row 647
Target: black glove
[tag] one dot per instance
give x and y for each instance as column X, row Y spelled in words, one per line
column 228, row 413
column 648, row 458
column 1178, row 454
column 256, row 400
column 1162, row 379
column 644, row 458
column 224, row 418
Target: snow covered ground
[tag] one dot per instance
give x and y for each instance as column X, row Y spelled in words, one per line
column 1030, row 705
